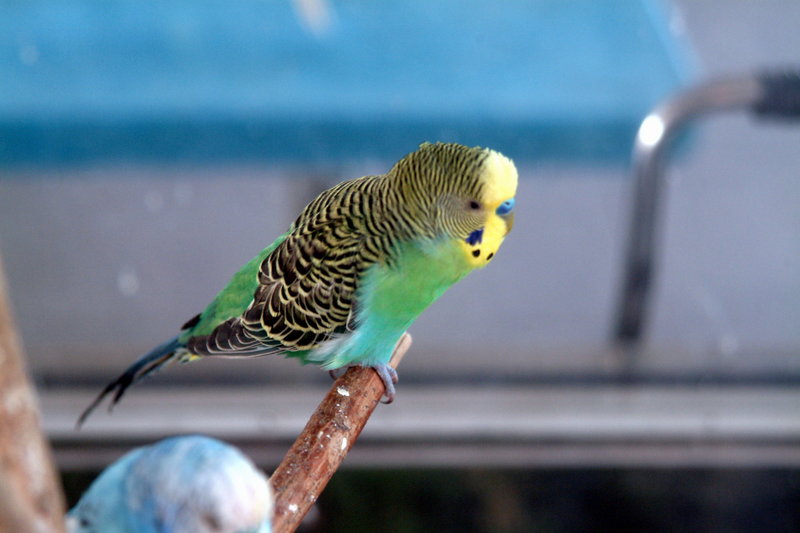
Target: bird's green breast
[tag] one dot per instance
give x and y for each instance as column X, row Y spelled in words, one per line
column 421, row 273
column 390, row 297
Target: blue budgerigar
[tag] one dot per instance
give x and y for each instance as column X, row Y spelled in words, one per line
column 187, row 484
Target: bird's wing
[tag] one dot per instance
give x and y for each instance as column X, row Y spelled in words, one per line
column 306, row 293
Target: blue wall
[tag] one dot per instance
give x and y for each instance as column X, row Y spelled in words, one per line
column 87, row 81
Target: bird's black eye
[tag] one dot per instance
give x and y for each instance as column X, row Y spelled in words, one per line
column 474, row 205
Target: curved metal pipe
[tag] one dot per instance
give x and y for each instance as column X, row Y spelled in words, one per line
column 653, row 139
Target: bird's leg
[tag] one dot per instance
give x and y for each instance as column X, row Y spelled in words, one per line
column 389, row 377
column 387, row 373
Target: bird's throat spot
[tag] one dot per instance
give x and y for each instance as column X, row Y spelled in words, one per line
column 476, row 237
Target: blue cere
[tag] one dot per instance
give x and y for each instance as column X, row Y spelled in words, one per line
column 505, row 208
column 476, row 237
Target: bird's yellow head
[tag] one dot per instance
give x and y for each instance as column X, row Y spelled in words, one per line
column 496, row 206
column 463, row 193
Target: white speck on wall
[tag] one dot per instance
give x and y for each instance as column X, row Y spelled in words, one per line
column 154, row 201
column 315, row 15
column 182, row 193
column 128, row 281
column 677, row 24
column 344, row 443
column 342, row 391
column 713, row 312
column 293, row 507
column 728, row 345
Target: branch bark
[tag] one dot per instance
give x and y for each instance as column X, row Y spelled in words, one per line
column 30, row 495
column 328, row 436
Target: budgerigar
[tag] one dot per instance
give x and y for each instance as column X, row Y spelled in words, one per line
column 189, row 484
column 356, row 267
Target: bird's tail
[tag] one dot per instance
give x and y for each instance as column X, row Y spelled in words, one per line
column 145, row 365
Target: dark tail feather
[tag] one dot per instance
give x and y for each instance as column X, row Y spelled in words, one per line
column 144, row 366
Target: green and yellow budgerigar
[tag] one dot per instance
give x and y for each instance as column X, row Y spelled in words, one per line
column 356, row 267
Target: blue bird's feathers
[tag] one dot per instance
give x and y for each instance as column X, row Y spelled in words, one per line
column 190, row 484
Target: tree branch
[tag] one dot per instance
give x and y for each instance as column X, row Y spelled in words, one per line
column 31, row 496
column 328, row 436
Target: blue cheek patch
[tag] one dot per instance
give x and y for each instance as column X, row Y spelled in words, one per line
column 476, row 237
column 505, row 208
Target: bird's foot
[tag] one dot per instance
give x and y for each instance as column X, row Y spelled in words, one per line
column 389, row 377
column 336, row 373
column 387, row 374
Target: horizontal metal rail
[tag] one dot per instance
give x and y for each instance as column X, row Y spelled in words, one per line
column 459, row 426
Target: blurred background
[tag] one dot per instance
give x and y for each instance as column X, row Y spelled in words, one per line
column 149, row 150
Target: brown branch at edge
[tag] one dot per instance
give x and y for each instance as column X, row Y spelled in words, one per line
column 30, row 495
column 328, row 436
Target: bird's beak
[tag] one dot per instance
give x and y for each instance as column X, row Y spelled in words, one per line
column 509, row 220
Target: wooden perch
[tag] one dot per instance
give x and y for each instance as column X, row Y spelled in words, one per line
column 30, row 496
column 328, row 436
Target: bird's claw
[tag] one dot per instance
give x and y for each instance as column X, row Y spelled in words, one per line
column 389, row 377
column 387, row 374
